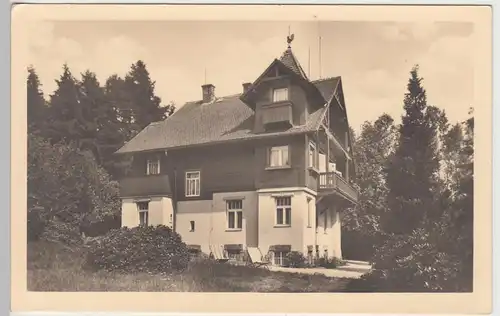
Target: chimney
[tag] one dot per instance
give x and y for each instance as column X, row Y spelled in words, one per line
column 246, row 86
column 208, row 92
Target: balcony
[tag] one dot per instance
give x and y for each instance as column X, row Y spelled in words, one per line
column 277, row 113
column 151, row 185
column 331, row 182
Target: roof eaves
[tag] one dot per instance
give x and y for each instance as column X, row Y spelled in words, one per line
column 224, row 141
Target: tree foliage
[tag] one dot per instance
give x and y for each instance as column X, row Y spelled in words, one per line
column 66, row 188
column 424, row 199
column 412, row 172
column 72, row 139
column 36, row 104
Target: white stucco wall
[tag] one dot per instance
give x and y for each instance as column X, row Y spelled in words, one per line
column 336, row 232
column 309, row 227
column 160, row 209
column 293, row 235
column 211, row 221
column 329, row 238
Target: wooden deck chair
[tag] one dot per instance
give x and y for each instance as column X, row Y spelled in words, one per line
column 218, row 253
column 256, row 258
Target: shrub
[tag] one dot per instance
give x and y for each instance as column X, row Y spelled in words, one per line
column 411, row 263
column 154, row 249
column 68, row 186
column 330, row 263
column 296, row 259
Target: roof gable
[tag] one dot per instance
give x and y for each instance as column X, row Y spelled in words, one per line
column 228, row 119
column 290, row 61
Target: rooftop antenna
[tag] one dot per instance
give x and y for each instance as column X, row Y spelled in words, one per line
column 309, row 63
column 319, row 44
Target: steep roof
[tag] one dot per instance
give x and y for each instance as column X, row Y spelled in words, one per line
column 327, row 87
column 227, row 119
column 290, row 61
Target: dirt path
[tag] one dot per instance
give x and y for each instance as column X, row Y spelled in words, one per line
column 352, row 270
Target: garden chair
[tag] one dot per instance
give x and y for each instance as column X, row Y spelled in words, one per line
column 256, row 258
column 218, row 253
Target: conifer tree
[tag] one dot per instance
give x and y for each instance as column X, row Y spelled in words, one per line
column 412, row 172
column 66, row 119
column 146, row 105
column 36, row 104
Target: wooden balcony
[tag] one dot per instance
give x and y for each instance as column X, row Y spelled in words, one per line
column 331, row 182
column 141, row 186
column 277, row 113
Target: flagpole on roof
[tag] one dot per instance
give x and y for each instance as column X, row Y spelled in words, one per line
column 319, row 44
column 309, row 63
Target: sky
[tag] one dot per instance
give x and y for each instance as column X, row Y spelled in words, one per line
column 373, row 58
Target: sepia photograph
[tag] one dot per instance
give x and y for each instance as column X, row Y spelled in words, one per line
column 294, row 155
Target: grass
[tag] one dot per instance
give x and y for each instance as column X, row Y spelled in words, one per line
column 52, row 267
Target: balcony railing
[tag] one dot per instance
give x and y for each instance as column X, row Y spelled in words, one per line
column 277, row 113
column 145, row 186
column 331, row 181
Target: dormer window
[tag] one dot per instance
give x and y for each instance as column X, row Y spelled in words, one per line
column 153, row 166
column 280, row 94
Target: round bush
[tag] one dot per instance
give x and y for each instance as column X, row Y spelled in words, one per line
column 155, row 249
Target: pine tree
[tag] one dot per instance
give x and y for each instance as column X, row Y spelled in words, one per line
column 146, row 105
column 412, row 173
column 36, row 104
column 123, row 127
column 66, row 119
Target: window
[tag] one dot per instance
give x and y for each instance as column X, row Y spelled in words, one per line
column 284, row 211
column 313, row 156
column 153, row 166
column 143, row 208
column 280, row 94
column 234, row 214
column 191, row 226
column 278, row 157
column 193, row 183
column 280, row 258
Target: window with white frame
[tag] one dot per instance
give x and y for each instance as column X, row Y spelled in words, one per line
column 279, row 156
column 280, row 94
column 143, row 208
column 313, row 156
column 284, row 211
column 279, row 258
column 192, row 183
column 153, row 166
column 234, row 214
column 191, row 226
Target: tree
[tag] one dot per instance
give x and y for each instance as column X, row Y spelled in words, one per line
column 412, row 172
column 122, row 129
column 66, row 188
column 66, row 119
column 145, row 106
column 36, row 104
column 361, row 225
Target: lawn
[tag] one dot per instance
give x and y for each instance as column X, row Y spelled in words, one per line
column 54, row 268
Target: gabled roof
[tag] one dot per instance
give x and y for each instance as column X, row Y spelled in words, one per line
column 327, row 87
column 289, row 60
column 229, row 118
column 226, row 119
